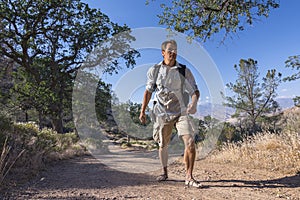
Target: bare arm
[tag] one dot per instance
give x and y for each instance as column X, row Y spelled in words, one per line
column 192, row 107
column 146, row 99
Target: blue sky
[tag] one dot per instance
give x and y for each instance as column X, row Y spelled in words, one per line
column 270, row 41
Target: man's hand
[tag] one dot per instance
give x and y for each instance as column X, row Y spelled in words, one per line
column 142, row 118
column 192, row 108
column 146, row 99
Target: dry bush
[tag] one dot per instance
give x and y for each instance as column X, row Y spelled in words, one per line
column 291, row 119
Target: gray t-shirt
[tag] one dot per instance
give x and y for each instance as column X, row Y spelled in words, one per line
column 169, row 89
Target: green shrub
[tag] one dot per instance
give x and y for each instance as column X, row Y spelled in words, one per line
column 38, row 147
column 5, row 126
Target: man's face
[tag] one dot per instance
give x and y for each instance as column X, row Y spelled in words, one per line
column 170, row 53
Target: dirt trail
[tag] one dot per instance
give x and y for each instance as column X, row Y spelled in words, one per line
column 87, row 178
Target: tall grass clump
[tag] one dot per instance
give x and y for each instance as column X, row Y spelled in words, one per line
column 270, row 151
column 6, row 162
column 276, row 152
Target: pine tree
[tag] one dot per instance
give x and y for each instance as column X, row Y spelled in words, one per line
column 251, row 99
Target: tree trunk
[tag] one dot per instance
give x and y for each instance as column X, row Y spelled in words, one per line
column 26, row 116
column 40, row 120
column 57, row 124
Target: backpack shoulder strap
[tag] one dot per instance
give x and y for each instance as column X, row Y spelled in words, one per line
column 185, row 95
column 156, row 71
column 181, row 69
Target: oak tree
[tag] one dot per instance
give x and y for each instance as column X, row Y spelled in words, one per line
column 200, row 19
column 49, row 40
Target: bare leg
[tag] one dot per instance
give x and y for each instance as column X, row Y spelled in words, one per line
column 189, row 156
column 163, row 156
column 189, row 159
column 165, row 137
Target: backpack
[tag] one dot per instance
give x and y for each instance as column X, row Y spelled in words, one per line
column 181, row 70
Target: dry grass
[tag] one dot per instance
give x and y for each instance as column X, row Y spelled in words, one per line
column 269, row 151
column 6, row 162
column 276, row 152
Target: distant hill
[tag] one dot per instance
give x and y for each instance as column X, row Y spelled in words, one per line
column 220, row 112
column 285, row 103
column 215, row 110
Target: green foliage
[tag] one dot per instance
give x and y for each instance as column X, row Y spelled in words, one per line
column 49, row 41
column 272, row 122
column 28, row 149
column 5, row 163
column 211, row 130
column 134, row 111
column 252, row 99
column 229, row 133
column 6, row 84
column 202, row 19
column 5, row 126
column 293, row 62
column 297, row 101
column 205, row 127
column 45, row 141
column 5, row 122
column 126, row 116
column 103, row 100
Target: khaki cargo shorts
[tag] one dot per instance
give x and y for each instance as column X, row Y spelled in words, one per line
column 162, row 131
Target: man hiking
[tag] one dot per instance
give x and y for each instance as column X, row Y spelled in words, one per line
column 171, row 81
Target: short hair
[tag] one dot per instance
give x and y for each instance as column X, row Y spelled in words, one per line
column 164, row 44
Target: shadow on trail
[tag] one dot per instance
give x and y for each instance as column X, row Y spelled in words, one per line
column 285, row 182
column 85, row 173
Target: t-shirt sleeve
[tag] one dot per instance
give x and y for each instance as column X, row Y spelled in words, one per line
column 151, row 85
